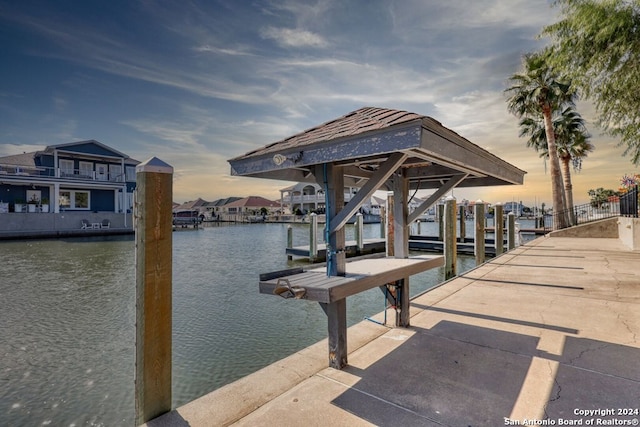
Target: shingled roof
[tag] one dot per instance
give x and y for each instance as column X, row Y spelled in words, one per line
column 362, row 140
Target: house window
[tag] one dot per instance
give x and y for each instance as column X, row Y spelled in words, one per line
column 115, row 173
column 66, row 167
column 131, row 173
column 74, row 199
column 86, row 169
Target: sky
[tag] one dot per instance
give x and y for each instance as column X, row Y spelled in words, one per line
column 198, row 82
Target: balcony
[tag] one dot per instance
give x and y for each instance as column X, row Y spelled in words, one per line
column 8, row 172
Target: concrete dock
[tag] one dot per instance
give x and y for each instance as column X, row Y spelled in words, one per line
column 549, row 331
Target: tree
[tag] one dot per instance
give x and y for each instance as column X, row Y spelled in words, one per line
column 537, row 92
column 572, row 140
column 600, row 196
column 597, row 44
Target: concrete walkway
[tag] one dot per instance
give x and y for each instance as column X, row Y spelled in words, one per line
column 549, row 331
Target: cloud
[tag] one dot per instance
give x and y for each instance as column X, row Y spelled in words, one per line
column 294, row 37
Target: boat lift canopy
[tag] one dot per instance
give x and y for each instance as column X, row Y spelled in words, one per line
column 371, row 149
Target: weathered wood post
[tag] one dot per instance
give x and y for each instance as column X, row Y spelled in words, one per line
column 441, row 222
column 450, row 245
column 498, row 224
column 289, row 240
column 479, row 236
column 313, row 237
column 401, row 240
column 511, row 231
column 359, row 231
column 383, row 222
column 336, row 266
column 153, row 230
column 389, row 231
column 463, row 226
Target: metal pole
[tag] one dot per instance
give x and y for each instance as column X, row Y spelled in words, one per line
column 478, row 238
column 313, row 237
column 153, row 233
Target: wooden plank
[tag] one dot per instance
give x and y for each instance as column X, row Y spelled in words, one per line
column 280, row 273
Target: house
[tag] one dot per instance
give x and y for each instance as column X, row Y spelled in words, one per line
column 250, row 206
column 79, row 176
column 308, row 197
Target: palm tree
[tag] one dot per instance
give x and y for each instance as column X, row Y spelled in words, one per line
column 572, row 140
column 535, row 92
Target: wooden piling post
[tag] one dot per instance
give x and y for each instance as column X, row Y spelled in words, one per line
column 498, row 223
column 359, row 228
column 441, row 222
column 153, row 230
column 419, row 228
column 383, row 222
column 401, row 239
column 478, row 238
column 450, row 245
column 511, row 231
column 389, row 231
column 289, row 240
column 463, row 226
column 313, row 237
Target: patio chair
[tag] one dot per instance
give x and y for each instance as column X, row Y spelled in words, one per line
column 85, row 225
column 106, row 223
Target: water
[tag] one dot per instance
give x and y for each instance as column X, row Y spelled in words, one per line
column 67, row 336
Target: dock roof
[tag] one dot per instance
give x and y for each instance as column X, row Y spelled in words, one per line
column 361, row 141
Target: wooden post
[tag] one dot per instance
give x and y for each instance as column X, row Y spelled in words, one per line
column 463, row 225
column 441, row 222
column 401, row 239
column 498, row 224
column 359, row 228
column 153, row 230
column 511, row 230
column 478, row 238
column 336, row 266
column 289, row 240
column 450, row 245
column 390, row 232
column 419, row 229
column 383, row 222
column 313, row 237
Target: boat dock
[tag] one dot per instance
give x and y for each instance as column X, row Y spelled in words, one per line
column 548, row 331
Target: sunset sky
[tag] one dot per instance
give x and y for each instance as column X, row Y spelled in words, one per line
column 198, row 82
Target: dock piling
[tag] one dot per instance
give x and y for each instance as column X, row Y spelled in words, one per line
column 153, row 231
column 359, row 232
column 499, row 228
column 289, row 240
column 450, row 249
column 479, row 249
column 313, row 237
column 511, row 230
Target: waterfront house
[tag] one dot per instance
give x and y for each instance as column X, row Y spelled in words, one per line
column 249, row 208
column 84, row 177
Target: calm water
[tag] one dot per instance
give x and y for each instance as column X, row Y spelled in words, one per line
column 67, row 323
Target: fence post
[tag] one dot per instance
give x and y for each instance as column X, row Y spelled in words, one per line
column 153, row 231
column 479, row 236
column 498, row 225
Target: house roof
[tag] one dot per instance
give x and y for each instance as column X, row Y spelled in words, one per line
column 79, row 145
column 222, row 202
column 361, row 141
column 24, row 159
column 252, row 202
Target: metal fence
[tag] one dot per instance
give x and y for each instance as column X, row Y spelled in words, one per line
column 582, row 214
column 629, row 203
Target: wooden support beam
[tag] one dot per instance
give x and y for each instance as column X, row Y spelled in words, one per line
column 336, row 255
column 337, row 329
column 153, row 231
column 401, row 240
column 377, row 179
column 437, row 195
